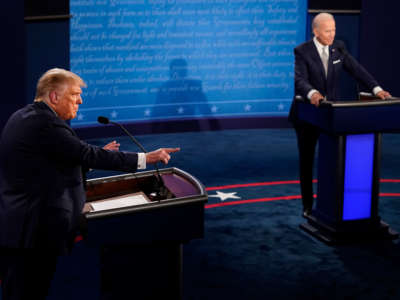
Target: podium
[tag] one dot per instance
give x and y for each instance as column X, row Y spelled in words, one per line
column 141, row 244
column 346, row 209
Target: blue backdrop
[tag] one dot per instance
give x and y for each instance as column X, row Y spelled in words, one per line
column 177, row 59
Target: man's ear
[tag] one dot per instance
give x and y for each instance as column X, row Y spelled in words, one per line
column 314, row 32
column 53, row 97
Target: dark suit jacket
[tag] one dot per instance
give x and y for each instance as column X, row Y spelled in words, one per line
column 310, row 74
column 41, row 184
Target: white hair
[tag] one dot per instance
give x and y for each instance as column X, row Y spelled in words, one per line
column 321, row 17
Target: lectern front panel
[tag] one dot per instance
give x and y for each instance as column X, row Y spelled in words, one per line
column 358, row 176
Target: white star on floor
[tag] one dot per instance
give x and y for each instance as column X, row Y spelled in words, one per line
column 224, row 196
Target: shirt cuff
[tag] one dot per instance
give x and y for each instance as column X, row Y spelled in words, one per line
column 310, row 93
column 377, row 89
column 141, row 162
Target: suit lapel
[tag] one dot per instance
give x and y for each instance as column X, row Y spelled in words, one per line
column 315, row 57
column 333, row 56
column 330, row 65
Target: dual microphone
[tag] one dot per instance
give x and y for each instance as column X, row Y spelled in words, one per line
column 161, row 190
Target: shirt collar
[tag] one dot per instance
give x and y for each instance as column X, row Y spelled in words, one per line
column 319, row 46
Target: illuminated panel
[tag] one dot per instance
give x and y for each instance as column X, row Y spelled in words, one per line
column 359, row 164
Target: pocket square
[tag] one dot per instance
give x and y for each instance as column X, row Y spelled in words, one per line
column 336, row 61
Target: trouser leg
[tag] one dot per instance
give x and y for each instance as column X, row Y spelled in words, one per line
column 28, row 274
column 307, row 137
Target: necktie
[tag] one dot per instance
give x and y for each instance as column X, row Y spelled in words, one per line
column 324, row 58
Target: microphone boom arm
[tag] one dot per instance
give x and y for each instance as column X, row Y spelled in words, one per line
column 162, row 191
column 131, row 136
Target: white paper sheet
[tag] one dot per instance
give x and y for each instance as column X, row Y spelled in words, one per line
column 120, row 201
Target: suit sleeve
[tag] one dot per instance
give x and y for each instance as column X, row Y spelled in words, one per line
column 301, row 75
column 61, row 144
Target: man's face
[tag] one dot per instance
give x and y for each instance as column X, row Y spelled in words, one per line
column 68, row 101
column 325, row 32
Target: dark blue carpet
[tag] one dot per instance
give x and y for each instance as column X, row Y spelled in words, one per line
column 256, row 250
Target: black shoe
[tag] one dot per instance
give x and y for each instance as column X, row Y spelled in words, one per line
column 306, row 213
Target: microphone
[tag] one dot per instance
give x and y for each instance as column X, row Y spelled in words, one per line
column 162, row 191
column 104, row 120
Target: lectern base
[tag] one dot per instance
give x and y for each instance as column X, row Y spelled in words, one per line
column 145, row 272
column 332, row 236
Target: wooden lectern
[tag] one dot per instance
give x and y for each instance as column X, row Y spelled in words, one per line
column 346, row 209
column 141, row 243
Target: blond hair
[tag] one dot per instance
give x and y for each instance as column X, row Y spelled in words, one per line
column 53, row 79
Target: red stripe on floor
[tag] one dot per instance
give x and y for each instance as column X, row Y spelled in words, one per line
column 234, row 186
column 276, row 199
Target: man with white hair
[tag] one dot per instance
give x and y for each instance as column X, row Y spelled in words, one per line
column 41, row 184
column 318, row 64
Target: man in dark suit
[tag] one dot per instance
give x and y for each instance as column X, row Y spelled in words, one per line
column 41, row 185
column 318, row 64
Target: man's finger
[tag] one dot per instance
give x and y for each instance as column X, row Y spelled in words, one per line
column 171, row 150
column 165, row 159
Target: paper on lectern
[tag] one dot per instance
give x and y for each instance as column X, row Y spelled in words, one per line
column 120, row 201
